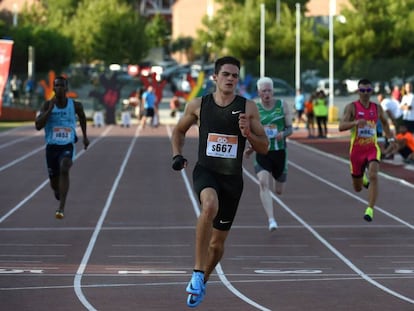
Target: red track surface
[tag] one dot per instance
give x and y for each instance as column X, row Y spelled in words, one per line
column 127, row 240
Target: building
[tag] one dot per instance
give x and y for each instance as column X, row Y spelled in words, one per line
column 321, row 7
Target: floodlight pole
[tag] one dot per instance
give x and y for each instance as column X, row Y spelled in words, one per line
column 262, row 40
column 297, row 62
column 332, row 11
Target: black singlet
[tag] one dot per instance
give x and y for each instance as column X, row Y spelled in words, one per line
column 221, row 144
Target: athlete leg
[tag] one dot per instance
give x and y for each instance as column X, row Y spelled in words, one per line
column 358, row 165
column 373, row 169
column 265, row 193
column 215, row 251
column 65, row 166
column 209, row 209
column 54, row 182
column 279, row 187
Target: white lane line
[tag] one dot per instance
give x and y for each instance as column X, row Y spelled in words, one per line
column 331, row 156
column 81, row 269
column 15, row 141
column 46, row 181
column 377, row 208
column 10, row 164
column 219, row 269
column 146, row 272
column 325, row 242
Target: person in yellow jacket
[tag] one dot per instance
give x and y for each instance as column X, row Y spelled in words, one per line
column 320, row 110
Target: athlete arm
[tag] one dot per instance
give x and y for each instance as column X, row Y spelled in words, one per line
column 288, row 121
column 82, row 122
column 385, row 124
column 253, row 129
column 189, row 118
column 348, row 119
column 43, row 115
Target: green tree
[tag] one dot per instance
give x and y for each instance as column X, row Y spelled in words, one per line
column 107, row 29
column 128, row 43
column 52, row 50
column 158, row 31
column 182, row 44
column 378, row 29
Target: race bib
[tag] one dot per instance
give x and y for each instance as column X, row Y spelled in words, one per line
column 366, row 131
column 222, row 146
column 271, row 131
column 62, row 134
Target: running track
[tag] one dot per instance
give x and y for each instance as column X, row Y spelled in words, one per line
column 127, row 240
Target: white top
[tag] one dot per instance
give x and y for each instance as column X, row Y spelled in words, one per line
column 408, row 99
column 393, row 106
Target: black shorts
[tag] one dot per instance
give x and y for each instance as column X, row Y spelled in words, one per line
column 405, row 152
column 299, row 113
column 149, row 112
column 274, row 162
column 54, row 155
column 229, row 189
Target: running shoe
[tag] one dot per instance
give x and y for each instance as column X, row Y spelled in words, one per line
column 369, row 214
column 272, row 225
column 196, row 289
column 57, row 195
column 365, row 181
column 59, row 214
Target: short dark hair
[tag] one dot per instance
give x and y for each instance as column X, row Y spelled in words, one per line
column 364, row 81
column 225, row 60
column 60, row 78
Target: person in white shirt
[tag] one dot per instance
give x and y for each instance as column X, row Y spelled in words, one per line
column 392, row 109
column 407, row 107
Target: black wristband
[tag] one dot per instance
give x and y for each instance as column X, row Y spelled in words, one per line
column 179, row 162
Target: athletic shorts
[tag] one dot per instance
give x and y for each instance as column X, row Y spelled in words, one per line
column 149, row 112
column 54, row 155
column 274, row 162
column 361, row 157
column 229, row 189
column 405, row 152
column 299, row 113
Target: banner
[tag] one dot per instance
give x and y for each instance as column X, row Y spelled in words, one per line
column 5, row 57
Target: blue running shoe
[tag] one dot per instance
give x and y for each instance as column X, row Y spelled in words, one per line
column 196, row 289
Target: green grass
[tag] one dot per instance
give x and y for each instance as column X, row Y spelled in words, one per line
column 7, row 125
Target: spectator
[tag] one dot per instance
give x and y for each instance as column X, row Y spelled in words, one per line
column 148, row 102
column 174, row 105
column 16, row 86
column 407, row 107
column 320, row 108
column 396, row 93
column 392, row 109
column 404, row 145
column 299, row 107
column 310, row 116
column 139, row 109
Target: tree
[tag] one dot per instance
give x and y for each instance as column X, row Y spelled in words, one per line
column 158, row 31
column 107, row 29
column 378, row 29
column 182, row 44
column 128, row 43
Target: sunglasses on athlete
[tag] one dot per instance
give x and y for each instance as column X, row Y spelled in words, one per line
column 367, row 90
